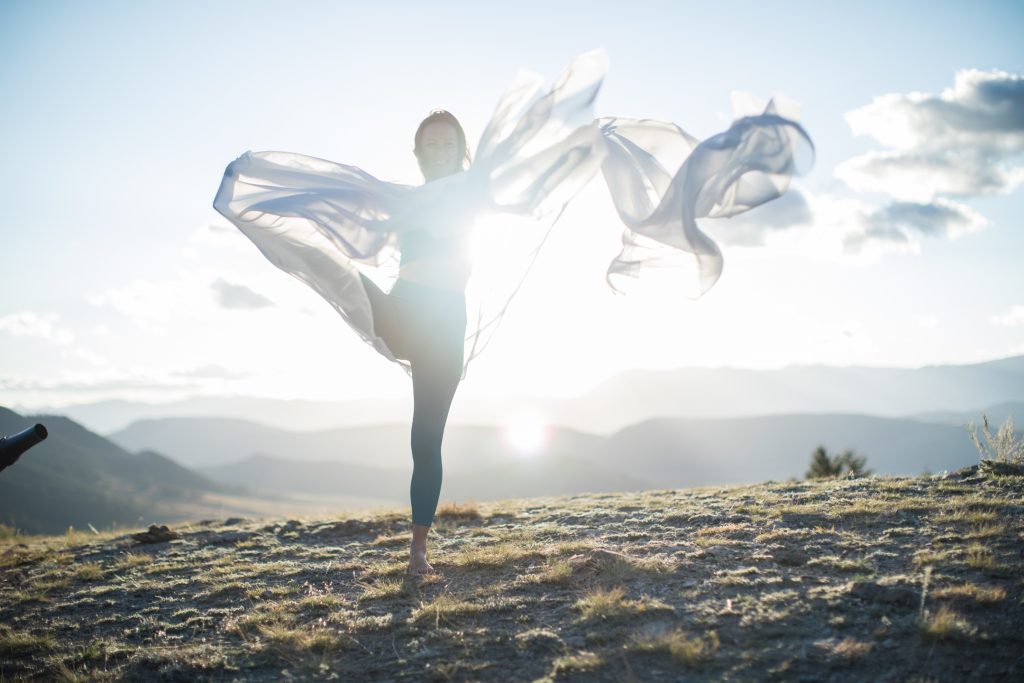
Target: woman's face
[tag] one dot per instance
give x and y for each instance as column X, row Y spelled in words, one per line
column 440, row 153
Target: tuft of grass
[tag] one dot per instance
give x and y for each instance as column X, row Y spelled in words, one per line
column 88, row 571
column 964, row 516
column 1004, row 446
column 444, row 607
column 980, row 557
column 931, row 557
column 19, row 643
column 129, row 560
column 615, row 568
column 987, row 531
column 723, row 529
column 555, row 571
column 493, row 555
column 581, row 663
column 458, row 511
column 391, row 539
column 850, row 650
column 854, row 565
column 985, row 595
column 612, row 604
column 384, row 568
column 387, row 588
column 691, row 651
column 945, row 624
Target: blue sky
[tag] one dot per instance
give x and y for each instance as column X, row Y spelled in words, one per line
column 119, row 118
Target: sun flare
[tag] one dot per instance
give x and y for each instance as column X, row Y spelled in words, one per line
column 527, row 434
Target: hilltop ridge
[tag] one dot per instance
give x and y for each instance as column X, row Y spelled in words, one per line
column 851, row 580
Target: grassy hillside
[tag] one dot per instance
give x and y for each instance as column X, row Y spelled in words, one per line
column 853, row 580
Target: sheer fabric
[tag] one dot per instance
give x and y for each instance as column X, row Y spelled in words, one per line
column 323, row 222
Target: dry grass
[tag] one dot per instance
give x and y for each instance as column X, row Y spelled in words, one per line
column 458, row 511
column 493, row 555
column 689, row 650
column 946, row 624
column 444, row 608
column 603, row 604
column 980, row 557
column 593, row 587
column 984, row 595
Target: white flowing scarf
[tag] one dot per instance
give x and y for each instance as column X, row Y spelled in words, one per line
column 322, row 221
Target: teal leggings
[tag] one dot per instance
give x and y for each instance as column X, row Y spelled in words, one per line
column 427, row 327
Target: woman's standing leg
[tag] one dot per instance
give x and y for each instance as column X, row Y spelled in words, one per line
column 434, row 381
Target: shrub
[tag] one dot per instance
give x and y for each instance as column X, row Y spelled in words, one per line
column 846, row 464
column 1003, row 447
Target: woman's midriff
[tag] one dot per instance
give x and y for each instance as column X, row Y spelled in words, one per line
column 448, row 274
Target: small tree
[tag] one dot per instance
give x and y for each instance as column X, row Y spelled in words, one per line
column 824, row 466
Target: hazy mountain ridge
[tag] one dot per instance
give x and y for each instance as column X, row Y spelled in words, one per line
column 693, row 452
column 631, row 397
column 199, row 442
column 996, row 414
column 637, row 395
column 674, row 452
column 546, row 476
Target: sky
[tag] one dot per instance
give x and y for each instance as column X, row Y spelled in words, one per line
column 901, row 247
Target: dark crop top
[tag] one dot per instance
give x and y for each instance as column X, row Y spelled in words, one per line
column 446, row 259
column 419, row 244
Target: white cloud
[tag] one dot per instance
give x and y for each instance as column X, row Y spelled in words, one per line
column 215, row 236
column 87, row 355
column 966, row 141
column 230, row 295
column 79, row 382
column 37, row 325
column 906, row 222
column 852, row 229
column 1013, row 318
column 211, row 371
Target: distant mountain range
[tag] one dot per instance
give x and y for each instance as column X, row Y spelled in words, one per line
column 203, row 442
column 641, row 429
column 635, row 396
column 77, row 477
column 658, row 453
column 549, row 476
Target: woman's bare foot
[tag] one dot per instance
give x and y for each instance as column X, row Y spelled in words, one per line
column 418, row 551
column 418, row 564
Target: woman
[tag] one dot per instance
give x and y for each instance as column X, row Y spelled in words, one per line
column 423, row 320
column 325, row 222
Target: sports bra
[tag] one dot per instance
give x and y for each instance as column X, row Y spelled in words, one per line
column 437, row 262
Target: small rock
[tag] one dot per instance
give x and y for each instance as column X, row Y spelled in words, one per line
column 540, row 640
column 790, row 558
column 156, row 534
column 962, row 473
column 877, row 593
column 1000, row 469
column 231, row 521
column 229, row 537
